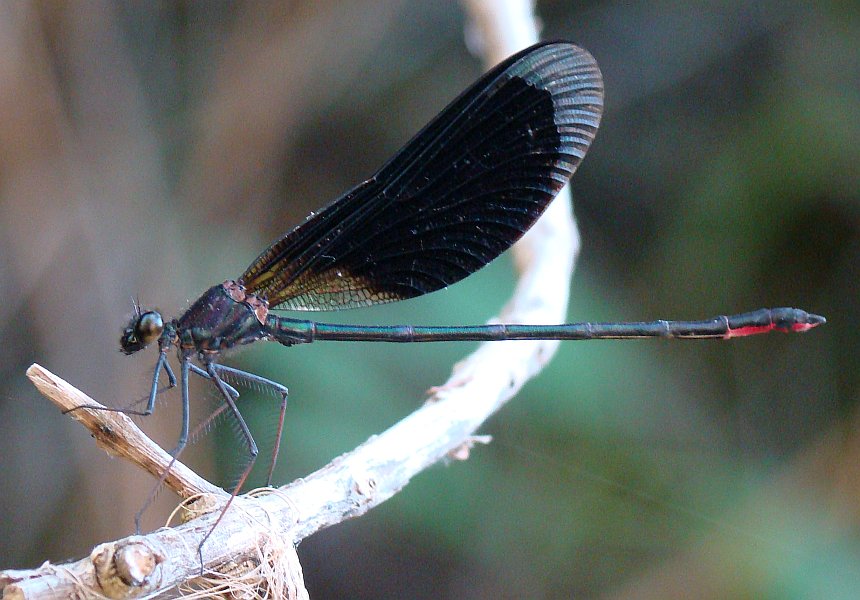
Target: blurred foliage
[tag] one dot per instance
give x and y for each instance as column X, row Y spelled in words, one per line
column 151, row 149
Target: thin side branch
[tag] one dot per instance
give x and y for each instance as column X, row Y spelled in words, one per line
column 118, row 435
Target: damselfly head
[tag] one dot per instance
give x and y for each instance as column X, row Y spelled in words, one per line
column 143, row 329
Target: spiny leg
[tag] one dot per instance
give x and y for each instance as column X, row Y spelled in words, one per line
column 252, row 451
column 280, row 389
column 171, row 379
column 180, row 445
column 183, row 435
column 153, row 392
column 205, row 423
column 187, row 366
column 198, row 371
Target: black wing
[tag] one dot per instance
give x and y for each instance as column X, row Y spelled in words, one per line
column 460, row 193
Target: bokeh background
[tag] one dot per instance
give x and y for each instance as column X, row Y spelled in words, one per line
column 152, row 149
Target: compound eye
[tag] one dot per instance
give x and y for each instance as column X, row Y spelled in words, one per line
column 149, row 327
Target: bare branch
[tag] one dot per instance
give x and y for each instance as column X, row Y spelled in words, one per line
column 253, row 547
column 261, row 529
column 117, row 434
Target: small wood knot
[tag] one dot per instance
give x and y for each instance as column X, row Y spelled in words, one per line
column 125, row 569
column 135, row 562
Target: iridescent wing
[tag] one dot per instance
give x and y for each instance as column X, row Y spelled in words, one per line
column 460, row 193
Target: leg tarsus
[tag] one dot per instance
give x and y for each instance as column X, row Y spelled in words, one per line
column 276, row 450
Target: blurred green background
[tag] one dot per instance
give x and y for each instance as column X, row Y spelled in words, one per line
column 153, row 149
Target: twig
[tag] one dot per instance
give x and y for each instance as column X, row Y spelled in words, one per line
column 259, row 532
column 118, row 435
